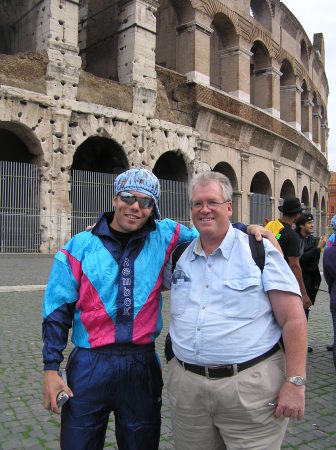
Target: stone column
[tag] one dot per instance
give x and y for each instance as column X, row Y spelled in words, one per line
column 235, row 72
column 245, row 188
column 57, row 34
column 306, row 117
column 59, row 37
column 236, row 206
column 199, row 165
column 290, row 105
column 267, row 90
column 276, row 189
column 136, row 52
column 317, row 126
column 193, row 51
column 324, row 137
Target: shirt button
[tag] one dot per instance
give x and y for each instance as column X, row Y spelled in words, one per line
column 198, row 328
column 197, row 353
column 209, row 265
column 203, row 307
column 207, row 286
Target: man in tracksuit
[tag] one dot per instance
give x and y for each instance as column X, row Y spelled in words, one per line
column 105, row 284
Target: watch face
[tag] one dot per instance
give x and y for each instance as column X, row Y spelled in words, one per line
column 298, row 381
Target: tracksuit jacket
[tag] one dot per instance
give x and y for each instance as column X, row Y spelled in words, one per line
column 108, row 295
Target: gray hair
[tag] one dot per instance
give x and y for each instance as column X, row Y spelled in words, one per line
column 208, row 177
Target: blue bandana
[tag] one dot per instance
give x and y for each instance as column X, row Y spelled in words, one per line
column 139, row 180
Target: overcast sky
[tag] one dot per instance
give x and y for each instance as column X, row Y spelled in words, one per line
column 319, row 17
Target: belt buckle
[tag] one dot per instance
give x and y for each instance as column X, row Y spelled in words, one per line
column 206, row 369
column 232, row 367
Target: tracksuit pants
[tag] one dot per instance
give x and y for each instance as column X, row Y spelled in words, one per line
column 123, row 379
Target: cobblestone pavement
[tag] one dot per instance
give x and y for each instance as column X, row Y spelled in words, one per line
column 24, row 424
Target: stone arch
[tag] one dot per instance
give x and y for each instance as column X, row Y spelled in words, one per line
column 323, row 205
column 260, row 198
column 171, row 166
column 305, row 196
column 315, row 200
column 227, row 169
column 223, row 38
column 260, row 62
column 287, row 189
column 100, row 154
column 316, row 213
column 18, row 143
column 261, row 11
column 214, row 7
column 171, row 169
column 20, row 187
column 260, row 184
column 287, row 92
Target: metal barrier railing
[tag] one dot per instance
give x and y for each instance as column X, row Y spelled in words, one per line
column 91, row 193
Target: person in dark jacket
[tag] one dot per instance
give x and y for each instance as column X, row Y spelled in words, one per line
column 329, row 272
column 290, row 242
column 309, row 260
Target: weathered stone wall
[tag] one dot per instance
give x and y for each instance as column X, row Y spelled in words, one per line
column 91, row 72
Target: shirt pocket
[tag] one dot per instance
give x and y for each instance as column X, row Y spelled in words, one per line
column 241, row 298
column 179, row 292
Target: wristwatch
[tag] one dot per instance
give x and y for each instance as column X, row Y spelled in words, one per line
column 297, row 380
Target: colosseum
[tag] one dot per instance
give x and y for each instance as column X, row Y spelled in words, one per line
column 91, row 87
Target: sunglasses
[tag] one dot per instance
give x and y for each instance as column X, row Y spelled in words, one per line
column 130, row 199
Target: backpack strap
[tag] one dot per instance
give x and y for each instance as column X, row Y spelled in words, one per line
column 177, row 253
column 258, row 251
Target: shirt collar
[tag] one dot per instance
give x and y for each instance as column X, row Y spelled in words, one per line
column 225, row 246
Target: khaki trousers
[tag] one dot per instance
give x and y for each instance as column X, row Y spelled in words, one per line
column 227, row 413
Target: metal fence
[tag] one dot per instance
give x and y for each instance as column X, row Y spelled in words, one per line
column 91, row 193
column 19, row 208
column 260, row 207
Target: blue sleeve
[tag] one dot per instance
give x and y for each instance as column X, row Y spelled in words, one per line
column 187, row 234
column 240, row 226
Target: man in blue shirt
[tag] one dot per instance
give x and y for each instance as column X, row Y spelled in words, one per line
column 230, row 384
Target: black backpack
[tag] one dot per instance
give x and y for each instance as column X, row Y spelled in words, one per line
column 258, row 254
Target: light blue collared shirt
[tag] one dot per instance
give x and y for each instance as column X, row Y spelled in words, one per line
column 221, row 313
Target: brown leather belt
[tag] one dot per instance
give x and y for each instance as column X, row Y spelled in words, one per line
column 223, row 371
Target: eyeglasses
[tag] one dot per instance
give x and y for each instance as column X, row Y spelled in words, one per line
column 211, row 204
column 130, row 199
